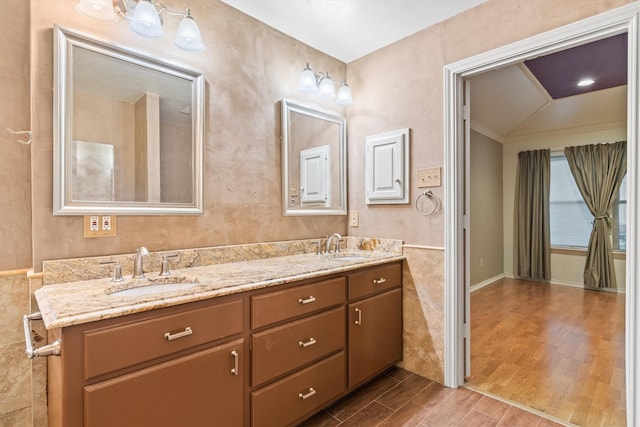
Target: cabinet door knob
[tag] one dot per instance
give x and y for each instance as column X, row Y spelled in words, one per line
column 170, row 337
column 359, row 320
column 379, row 281
column 310, row 393
column 302, row 344
column 307, row 300
column 234, row 354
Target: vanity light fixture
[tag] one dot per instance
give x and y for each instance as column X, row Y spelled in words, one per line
column 145, row 19
column 323, row 85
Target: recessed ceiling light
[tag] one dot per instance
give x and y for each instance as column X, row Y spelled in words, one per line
column 586, row 82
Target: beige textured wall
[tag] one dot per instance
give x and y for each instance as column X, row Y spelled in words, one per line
column 249, row 67
column 487, row 258
column 400, row 86
column 92, row 125
column 15, row 215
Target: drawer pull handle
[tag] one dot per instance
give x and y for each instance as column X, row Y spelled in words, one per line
column 311, row 392
column 170, row 337
column 235, row 370
column 311, row 341
column 307, row 301
column 359, row 320
column 379, row 281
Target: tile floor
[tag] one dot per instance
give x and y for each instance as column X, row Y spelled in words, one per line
column 401, row 398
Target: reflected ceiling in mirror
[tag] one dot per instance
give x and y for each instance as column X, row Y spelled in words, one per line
column 128, row 131
column 313, row 161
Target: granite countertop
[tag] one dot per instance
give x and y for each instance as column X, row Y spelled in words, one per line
column 74, row 303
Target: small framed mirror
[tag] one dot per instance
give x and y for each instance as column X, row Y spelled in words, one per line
column 128, row 131
column 313, row 161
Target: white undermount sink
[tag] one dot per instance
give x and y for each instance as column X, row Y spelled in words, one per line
column 348, row 257
column 154, row 286
column 153, row 289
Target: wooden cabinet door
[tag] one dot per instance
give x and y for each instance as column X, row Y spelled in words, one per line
column 375, row 335
column 200, row 389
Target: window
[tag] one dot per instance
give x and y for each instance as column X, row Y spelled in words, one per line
column 571, row 221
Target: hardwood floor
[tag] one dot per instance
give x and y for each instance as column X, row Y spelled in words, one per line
column 556, row 349
column 401, row 398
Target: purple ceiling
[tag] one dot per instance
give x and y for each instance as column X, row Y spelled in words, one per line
column 605, row 61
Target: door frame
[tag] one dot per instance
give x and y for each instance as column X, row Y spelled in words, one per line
column 615, row 21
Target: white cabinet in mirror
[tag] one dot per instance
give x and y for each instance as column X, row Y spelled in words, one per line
column 128, row 131
column 313, row 161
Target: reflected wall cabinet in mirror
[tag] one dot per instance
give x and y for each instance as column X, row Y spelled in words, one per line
column 128, row 131
column 313, row 161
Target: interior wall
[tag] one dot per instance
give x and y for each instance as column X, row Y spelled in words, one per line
column 15, row 170
column 93, row 117
column 566, row 268
column 249, row 68
column 15, row 215
column 487, row 243
column 401, row 86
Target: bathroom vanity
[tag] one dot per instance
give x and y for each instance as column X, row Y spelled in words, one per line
column 256, row 353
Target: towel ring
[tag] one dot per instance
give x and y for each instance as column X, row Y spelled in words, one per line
column 429, row 195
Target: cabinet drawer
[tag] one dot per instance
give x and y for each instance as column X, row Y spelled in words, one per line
column 113, row 348
column 300, row 394
column 278, row 350
column 375, row 280
column 276, row 306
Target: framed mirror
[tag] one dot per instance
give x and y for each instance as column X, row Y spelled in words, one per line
column 313, row 161
column 128, row 131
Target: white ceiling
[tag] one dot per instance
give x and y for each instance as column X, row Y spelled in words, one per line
column 510, row 102
column 350, row 29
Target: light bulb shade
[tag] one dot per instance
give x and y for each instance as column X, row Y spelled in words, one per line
column 344, row 96
column 326, row 89
column 188, row 35
column 307, row 81
column 146, row 20
column 100, row 10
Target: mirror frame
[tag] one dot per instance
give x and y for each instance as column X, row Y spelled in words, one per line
column 293, row 106
column 64, row 42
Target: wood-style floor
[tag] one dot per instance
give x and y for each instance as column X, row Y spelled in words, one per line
column 401, row 398
column 556, row 349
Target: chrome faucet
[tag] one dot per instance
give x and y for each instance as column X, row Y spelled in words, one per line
column 338, row 239
column 138, row 272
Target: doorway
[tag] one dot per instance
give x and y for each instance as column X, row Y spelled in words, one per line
column 602, row 26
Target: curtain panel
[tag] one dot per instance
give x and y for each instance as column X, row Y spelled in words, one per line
column 598, row 170
column 531, row 215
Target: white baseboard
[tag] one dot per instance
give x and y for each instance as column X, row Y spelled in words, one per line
column 486, row 282
column 581, row 286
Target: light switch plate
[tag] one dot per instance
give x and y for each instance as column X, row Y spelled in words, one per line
column 354, row 218
column 429, row 177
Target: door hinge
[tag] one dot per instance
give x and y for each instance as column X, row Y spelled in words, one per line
column 466, row 112
column 467, row 330
column 466, row 224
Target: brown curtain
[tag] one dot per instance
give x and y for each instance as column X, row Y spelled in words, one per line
column 532, row 236
column 598, row 171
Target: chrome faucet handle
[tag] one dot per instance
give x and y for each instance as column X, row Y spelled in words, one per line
column 318, row 247
column 164, row 271
column 338, row 245
column 117, row 270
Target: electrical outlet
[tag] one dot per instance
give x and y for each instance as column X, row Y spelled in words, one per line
column 429, row 177
column 99, row 225
column 481, row 262
column 354, row 218
column 94, row 223
column 105, row 220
